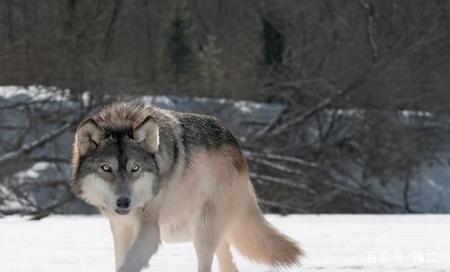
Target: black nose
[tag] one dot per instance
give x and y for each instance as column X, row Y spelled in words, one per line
column 123, row 203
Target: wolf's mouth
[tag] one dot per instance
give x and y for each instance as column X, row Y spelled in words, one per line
column 122, row 211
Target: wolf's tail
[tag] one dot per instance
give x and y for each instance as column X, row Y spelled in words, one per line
column 259, row 241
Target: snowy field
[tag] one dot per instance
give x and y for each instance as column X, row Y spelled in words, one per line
column 333, row 243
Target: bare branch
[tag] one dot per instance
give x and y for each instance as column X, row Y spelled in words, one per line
column 250, row 154
column 277, row 180
column 28, row 148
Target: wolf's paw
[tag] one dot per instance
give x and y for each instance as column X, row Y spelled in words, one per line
column 133, row 263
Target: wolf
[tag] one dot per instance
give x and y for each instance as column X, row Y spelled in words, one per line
column 164, row 176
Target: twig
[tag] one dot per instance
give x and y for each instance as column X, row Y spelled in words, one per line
column 250, row 154
column 281, row 181
column 310, row 112
column 28, row 148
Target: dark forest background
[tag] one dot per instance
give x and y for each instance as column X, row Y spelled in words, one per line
column 347, row 73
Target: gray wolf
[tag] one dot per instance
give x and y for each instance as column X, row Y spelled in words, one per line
column 160, row 175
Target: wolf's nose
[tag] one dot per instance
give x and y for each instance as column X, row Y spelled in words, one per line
column 123, row 203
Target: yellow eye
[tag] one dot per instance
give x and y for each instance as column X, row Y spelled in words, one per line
column 106, row 168
column 135, row 168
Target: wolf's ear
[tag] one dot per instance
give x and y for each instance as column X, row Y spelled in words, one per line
column 89, row 135
column 146, row 134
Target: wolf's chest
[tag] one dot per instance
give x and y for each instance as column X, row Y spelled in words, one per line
column 178, row 231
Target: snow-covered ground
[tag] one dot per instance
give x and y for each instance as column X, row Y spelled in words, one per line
column 333, row 243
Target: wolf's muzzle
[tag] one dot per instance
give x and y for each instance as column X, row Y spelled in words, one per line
column 123, row 203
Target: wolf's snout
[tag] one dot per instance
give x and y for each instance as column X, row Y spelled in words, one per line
column 123, row 203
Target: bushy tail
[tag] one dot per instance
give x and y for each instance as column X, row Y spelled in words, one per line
column 259, row 241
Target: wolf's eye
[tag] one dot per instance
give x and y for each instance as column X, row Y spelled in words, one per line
column 106, row 168
column 135, row 168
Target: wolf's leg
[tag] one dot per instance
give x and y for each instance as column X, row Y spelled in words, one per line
column 207, row 236
column 145, row 245
column 205, row 246
column 225, row 258
column 122, row 236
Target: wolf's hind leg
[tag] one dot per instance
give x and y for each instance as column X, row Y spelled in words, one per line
column 205, row 254
column 207, row 236
column 226, row 263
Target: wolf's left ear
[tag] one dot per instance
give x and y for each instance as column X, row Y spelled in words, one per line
column 146, row 134
column 88, row 137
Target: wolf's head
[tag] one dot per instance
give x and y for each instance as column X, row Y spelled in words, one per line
column 114, row 166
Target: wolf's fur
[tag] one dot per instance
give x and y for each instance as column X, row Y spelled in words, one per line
column 192, row 185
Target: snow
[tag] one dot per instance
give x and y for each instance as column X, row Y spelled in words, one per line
column 333, row 243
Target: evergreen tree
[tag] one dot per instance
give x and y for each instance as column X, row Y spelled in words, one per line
column 179, row 51
column 210, row 68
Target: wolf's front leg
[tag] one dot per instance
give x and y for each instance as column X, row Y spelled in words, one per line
column 123, row 233
column 144, row 246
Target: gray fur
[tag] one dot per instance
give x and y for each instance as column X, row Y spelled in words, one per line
column 116, row 151
column 116, row 122
column 204, row 131
column 180, row 155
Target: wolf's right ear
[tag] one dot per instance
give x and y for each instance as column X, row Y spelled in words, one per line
column 89, row 135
